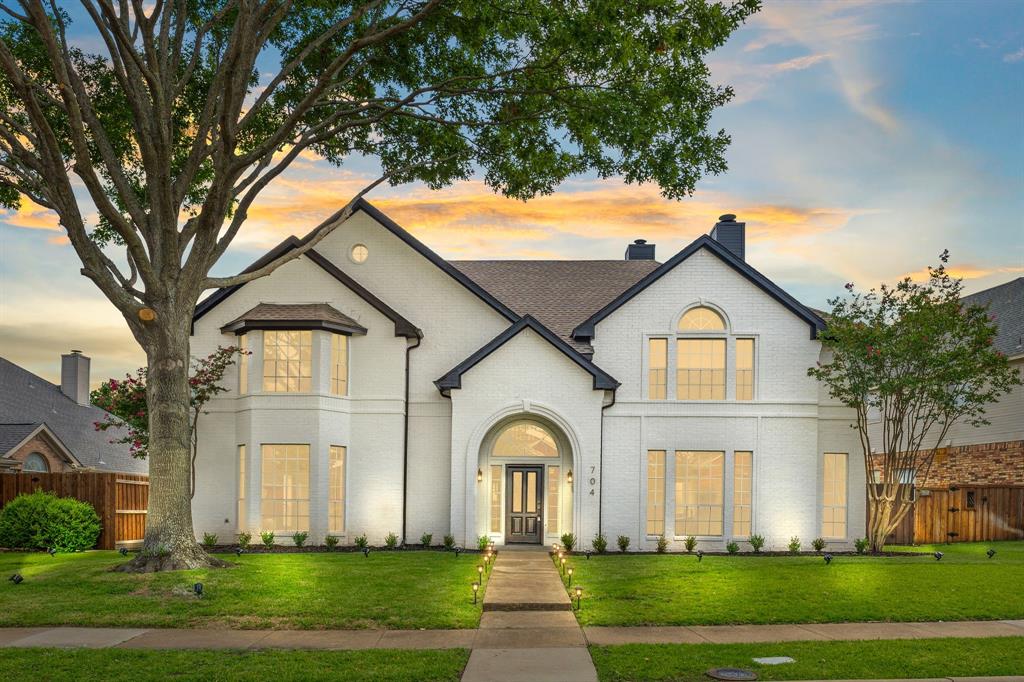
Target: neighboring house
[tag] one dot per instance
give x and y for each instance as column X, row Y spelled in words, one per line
column 50, row 428
column 991, row 454
column 390, row 390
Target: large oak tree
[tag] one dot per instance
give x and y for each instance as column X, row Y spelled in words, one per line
column 193, row 107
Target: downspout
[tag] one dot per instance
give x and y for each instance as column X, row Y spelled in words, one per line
column 600, row 470
column 405, row 444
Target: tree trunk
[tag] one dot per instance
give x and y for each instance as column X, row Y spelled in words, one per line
column 170, row 542
column 878, row 522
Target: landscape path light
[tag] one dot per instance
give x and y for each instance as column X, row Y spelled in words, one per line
column 579, row 597
column 476, row 588
column 568, row 572
column 480, row 572
column 562, row 560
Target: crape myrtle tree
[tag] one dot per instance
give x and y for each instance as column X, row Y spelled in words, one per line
column 919, row 360
column 170, row 131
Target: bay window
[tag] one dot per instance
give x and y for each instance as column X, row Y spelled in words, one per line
column 288, row 361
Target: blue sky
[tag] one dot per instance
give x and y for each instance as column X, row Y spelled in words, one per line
column 867, row 138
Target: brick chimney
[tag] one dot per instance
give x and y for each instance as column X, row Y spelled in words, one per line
column 731, row 235
column 74, row 376
column 640, row 250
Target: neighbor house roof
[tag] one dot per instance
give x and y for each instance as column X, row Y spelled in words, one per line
column 453, row 378
column 12, row 436
column 28, row 399
column 294, row 316
column 560, row 294
column 1006, row 303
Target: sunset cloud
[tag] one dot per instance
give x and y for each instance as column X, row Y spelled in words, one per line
column 32, row 216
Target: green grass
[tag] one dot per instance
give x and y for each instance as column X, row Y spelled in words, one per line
column 120, row 664
column 303, row 591
column 815, row 660
column 676, row 589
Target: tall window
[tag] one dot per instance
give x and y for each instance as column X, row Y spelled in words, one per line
column 243, row 365
column 339, row 364
column 742, row 493
column 702, row 320
column 554, row 484
column 242, row 514
column 833, row 513
column 655, row 492
column 701, row 372
column 744, row 369
column 336, row 490
column 657, row 372
column 699, row 492
column 525, row 439
column 288, row 361
column 284, row 507
column 495, row 498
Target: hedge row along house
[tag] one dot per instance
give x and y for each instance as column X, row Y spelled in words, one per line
column 390, row 390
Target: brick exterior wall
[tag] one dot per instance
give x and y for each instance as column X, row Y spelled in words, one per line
column 999, row 463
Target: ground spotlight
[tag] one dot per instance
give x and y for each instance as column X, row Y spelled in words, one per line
column 991, row 553
column 827, row 558
column 53, row 552
column 238, row 551
column 123, row 551
column 198, row 589
column 588, row 553
column 938, row 556
column 458, row 551
column 366, row 552
column 16, row 578
column 700, row 555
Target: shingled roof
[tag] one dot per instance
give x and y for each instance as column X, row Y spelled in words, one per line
column 560, row 294
column 1006, row 302
column 294, row 316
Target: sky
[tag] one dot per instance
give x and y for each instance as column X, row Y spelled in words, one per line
column 866, row 138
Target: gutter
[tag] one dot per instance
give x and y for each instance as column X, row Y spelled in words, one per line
column 405, row 440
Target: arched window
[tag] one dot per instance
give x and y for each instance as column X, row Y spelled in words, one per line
column 35, row 462
column 525, row 439
column 702, row 320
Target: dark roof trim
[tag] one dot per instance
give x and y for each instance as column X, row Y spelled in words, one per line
column 242, row 326
column 426, row 252
column 403, row 327
column 586, row 329
column 453, row 379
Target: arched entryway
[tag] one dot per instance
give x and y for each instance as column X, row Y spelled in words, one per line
column 525, row 478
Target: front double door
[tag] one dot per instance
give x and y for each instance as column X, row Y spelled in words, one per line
column 523, row 504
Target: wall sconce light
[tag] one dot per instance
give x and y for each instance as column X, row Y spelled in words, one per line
column 479, row 475
column 568, row 477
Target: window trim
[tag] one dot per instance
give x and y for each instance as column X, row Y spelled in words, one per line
column 846, row 497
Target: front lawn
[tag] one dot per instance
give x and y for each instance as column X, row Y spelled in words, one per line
column 677, row 589
column 400, row 590
column 121, row 664
column 887, row 659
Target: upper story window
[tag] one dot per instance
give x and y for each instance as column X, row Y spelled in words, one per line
column 525, row 439
column 339, row 364
column 701, row 369
column 701, row 319
column 657, row 372
column 288, row 361
column 744, row 369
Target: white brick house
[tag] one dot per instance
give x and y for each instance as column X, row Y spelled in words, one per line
column 389, row 390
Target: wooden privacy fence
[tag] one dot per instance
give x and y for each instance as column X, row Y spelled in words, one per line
column 970, row 513
column 120, row 499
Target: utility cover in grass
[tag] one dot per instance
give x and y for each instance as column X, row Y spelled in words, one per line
column 731, row 674
column 774, row 660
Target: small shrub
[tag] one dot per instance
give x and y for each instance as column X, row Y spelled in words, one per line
column 818, row 544
column 425, row 539
column 331, row 541
column 209, row 540
column 449, row 542
column 690, row 543
column 41, row 520
column 861, row 544
column 732, row 548
column 569, row 541
column 391, row 541
column 362, row 542
column 623, row 543
column 483, row 542
column 794, row 545
column 267, row 536
column 600, row 543
column 244, row 540
column 757, row 542
column 662, row 544
column 299, row 538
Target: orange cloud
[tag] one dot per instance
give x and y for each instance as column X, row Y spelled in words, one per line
column 32, row 216
column 965, row 271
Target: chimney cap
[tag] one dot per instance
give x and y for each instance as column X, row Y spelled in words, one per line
column 727, row 218
column 640, row 241
column 75, row 351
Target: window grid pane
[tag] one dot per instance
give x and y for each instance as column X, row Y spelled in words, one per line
column 242, row 514
column 833, row 514
column 243, row 364
column 284, row 506
column 336, row 491
column 655, row 492
column 699, row 492
column 495, row 498
column 701, row 319
column 554, row 483
column 657, row 373
column 744, row 369
column 701, row 371
column 742, row 493
column 339, row 364
column 288, row 361
column 525, row 439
